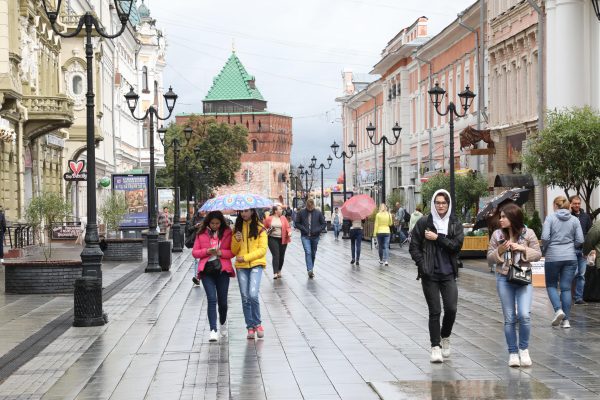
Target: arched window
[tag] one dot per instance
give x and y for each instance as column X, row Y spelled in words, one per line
column 145, row 79
column 77, row 85
column 254, row 145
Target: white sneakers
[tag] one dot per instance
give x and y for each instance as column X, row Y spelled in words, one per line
column 559, row 315
column 565, row 323
column 224, row 330
column 525, row 359
column 214, row 336
column 436, row 355
column 446, row 347
column 513, row 360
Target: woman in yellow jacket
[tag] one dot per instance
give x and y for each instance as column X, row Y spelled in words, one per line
column 249, row 245
column 383, row 220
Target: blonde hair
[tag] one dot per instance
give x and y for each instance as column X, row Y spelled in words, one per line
column 382, row 207
column 561, row 202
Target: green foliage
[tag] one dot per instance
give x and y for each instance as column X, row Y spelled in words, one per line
column 535, row 223
column 393, row 198
column 469, row 188
column 42, row 212
column 567, row 152
column 113, row 210
column 221, row 146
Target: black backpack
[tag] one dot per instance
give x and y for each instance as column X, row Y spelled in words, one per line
column 406, row 216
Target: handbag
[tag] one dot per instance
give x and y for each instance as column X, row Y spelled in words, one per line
column 517, row 274
column 212, row 267
column 189, row 241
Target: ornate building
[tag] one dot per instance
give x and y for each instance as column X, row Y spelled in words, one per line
column 235, row 99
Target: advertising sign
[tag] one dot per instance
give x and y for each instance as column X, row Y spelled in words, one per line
column 135, row 188
column 77, row 173
column 337, row 198
column 166, row 198
column 66, row 230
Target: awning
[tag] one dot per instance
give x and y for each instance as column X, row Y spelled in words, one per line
column 514, row 180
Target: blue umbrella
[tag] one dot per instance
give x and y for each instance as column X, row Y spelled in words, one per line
column 236, row 202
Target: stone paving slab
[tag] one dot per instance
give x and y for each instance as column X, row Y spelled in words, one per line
column 351, row 333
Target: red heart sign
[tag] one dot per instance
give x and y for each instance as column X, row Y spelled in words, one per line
column 76, row 166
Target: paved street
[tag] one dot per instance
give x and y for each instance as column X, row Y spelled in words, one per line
column 351, row 333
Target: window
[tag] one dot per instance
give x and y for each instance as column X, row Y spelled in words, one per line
column 145, row 79
column 254, row 145
column 77, row 85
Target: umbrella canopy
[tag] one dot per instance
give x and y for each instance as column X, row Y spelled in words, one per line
column 358, row 207
column 236, row 202
column 519, row 196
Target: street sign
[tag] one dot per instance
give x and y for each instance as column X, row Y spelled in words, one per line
column 77, row 173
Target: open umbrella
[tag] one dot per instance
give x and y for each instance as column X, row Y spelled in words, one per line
column 236, row 202
column 358, row 207
column 519, row 196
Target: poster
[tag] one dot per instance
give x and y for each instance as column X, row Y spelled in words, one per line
column 166, row 198
column 135, row 188
column 337, row 198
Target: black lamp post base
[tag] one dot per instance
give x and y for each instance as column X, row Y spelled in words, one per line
column 152, row 251
column 177, row 239
column 88, row 302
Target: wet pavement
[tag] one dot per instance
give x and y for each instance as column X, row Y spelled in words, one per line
column 351, row 333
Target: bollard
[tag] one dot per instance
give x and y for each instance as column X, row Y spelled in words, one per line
column 164, row 255
column 88, row 302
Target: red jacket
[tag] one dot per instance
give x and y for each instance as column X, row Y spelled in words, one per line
column 202, row 244
column 286, row 231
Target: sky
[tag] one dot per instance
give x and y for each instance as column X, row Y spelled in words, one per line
column 296, row 50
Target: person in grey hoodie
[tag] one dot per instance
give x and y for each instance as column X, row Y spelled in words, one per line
column 561, row 234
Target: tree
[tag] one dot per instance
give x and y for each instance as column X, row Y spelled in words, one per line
column 221, row 146
column 469, row 188
column 567, row 153
column 393, row 198
column 42, row 213
column 113, row 210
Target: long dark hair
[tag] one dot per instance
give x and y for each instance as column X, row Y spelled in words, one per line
column 254, row 223
column 514, row 214
column 214, row 215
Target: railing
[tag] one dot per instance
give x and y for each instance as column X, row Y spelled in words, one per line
column 37, row 105
column 22, row 235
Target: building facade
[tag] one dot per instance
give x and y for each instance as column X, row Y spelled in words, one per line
column 234, row 99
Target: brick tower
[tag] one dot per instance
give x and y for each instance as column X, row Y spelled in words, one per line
column 235, row 99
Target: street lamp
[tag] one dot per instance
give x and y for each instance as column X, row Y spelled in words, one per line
column 383, row 140
column 189, row 187
column 177, row 237
column 88, row 300
column 132, row 100
column 294, row 179
column 344, row 156
column 466, row 99
column 596, row 5
column 305, row 174
column 322, row 167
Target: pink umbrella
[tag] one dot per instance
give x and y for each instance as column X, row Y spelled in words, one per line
column 358, row 207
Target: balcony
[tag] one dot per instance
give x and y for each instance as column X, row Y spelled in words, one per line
column 47, row 114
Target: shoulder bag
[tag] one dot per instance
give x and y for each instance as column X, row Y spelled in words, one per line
column 191, row 239
column 516, row 274
column 213, row 267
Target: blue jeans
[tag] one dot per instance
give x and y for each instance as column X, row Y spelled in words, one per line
column 560, row 272
column 580, row 275
column 216, row 288
column 249, row 281
column 355, row 243
column 336, row 230
column 511, row 293
column 383, row 245
column 310, row 250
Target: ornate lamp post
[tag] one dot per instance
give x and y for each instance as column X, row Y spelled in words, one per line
column 322, row 167
column 466, row 99
column 170, row 99
column 294, row 178
column 344, row 156
column 187, row 161
column 382, row 141
column 305, row 173
column 177, row 237
column 596, row 5
column 88, row 302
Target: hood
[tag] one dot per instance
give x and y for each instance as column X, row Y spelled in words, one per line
column 433, row 210
column 441, row 224
column 563, row 214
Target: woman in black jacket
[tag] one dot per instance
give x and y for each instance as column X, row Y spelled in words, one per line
column 435, row 243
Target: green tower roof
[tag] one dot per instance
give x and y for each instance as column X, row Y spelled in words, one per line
column 233, row 83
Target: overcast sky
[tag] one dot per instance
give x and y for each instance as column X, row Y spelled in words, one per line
column 295, row 49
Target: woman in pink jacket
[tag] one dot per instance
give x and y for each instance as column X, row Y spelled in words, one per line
column 280, row 234
column 212, row 248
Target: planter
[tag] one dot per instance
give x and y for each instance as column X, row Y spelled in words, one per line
column 123, row 249
column 368, row 227
column 41, row 277
column 475, row 246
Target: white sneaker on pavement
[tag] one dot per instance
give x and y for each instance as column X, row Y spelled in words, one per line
column 436, row 355
column 224, row 330
column 446, row 347
column 559, row 315
column 513, row 360
column 525, row 359
column 214, row 336
column 565, row 323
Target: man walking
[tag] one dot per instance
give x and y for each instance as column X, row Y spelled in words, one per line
column 2, row 231
column 586, row 223
column 164, row 222
column 399, row 219
column 311, row 223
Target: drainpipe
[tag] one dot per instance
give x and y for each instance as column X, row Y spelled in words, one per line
column 540, row 86
column 430, row 110
column 20, row 164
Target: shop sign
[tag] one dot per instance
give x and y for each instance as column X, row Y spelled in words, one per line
column 66, row 230
column 77, row 173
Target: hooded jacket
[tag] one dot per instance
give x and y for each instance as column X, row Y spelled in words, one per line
column 561, row 234
column 592, row 242
column 254, row 250
column 427, row 253
column 200, row 251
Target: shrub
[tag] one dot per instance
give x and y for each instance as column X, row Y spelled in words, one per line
column 42, row 213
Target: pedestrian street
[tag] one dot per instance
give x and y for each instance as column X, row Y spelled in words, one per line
column 350, row 333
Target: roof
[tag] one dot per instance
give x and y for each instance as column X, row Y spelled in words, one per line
column 211, row 114
column 143, row 10
column 134, row 16
column 233, row 83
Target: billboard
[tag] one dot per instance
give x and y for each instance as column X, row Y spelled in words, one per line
column 337, row 198
column 166, row 198
column 135, row 188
